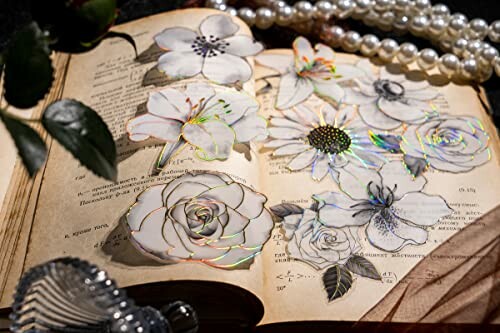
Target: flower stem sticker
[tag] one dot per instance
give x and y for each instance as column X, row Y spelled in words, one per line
column 202, row 217
column 212, row 122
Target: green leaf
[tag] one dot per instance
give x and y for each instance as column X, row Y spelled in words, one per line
column 83, row 132
column 285, row 209
column 122, row 35
column 362, row 266
column 389, row 142
column 28, row 68
column 337, row 281
column 29, row 145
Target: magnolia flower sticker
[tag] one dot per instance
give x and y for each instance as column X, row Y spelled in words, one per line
column 308, row 71
column 324, row 248
column 215, row 51
column 390, row 203
column 386, row 101
column 212, row 122
column 326, row 140
column 203, row 217
column 446, row 143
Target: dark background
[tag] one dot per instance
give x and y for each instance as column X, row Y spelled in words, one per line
column 15, row 13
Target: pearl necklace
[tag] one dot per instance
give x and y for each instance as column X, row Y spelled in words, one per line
column 468, row 57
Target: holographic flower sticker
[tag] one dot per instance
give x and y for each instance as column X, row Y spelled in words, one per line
column 446, row 143
column 326, row 139
column 215, row 51
column 386, row 101
column 390, row 202
column 308, row 71
column 334, row 251
column 202, row 217
column 212, row 122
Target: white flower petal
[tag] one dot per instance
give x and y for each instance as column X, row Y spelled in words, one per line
column 367, row 68
column 356, row 97
column 226, row 69
column 176, row 39
column 147, row 201
column 329, row 113
column 345, row 117
column 403, row 111
column 173, row 195
column 198, row 93
column 397, row 178
column 147, row 125
column 303, row 51
column 150, row 237
column 302, row 114
column 320, row 168
column 393, row 234
column 279, row 62
column 422, row 95
column 365, row 156
column 214, row 139
column 420, row 208
column 280, row 143
column 324, row 52
column 251, row 127
column 347, row 72
column 283, row 122
column 292, row 91
column 302, row 160
column 285, row 133
column 220, row 26
column 373, row 117
column 329, row 89
column 335, row 210
column 179, row 65
column 415, row 85
column 208, row 180
column 231, row 195
column 291, row 149
column 231, row 106
column 243, row 46
column 354, row 180
column 258, row 230
column 443, row 165
column 290, row 224
column 169, row 103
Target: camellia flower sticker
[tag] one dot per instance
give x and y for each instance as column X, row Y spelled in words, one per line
column 215, row 51
column 387, row 101
column 202, row 217
column 327, row 140
column 210, row 121
column 308, row 71
column 389, row 202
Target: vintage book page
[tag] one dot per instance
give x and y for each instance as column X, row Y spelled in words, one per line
column 294, row 290
column 81, row 215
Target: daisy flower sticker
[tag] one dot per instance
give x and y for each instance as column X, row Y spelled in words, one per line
column 326, row 140
column 308, row 71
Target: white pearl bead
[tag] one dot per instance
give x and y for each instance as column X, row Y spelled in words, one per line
column 344, row 8
column 304, row 10
column 335, row 34
column 459, row 16
column 487, row 55
column 382, row 5
column 278, row 4
column 494, row 32
column 469, row 68
column 484, row 74
column 213, row 3
column 479, row 28
column 231, row 11
column 264, row 18
column 247, row 15
column 362, row 6
column 369, row 45
column 407, row 53
column 371, row 18
column 351, row 41
column 323, row 10
column 386, row 20
column 448, row 64
column 456, row 26
column 421, row 6
column 496, row 65
column 437, row 26
column 440, row 10
column 401, row 23
column 419, row 24
column 388, row 49
column 401, row 5
column 284, row 15
column 427, row 59
column 473, row 46
column 459, row 46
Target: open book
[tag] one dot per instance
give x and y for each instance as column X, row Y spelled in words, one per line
column 434, row 260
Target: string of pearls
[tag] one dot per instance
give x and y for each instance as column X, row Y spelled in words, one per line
column 467, row 54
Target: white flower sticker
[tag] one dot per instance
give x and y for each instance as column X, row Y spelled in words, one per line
column 215, row 51
column 390, row 202
column 316, row 244
column 308, row 71
column 201, row 216
column 327, row 140
column 210, row 121
column 447, row 143
column 386, row 101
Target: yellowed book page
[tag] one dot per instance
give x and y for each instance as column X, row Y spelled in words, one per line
column 294, row 290
column 79, row 214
